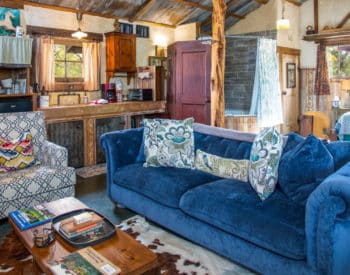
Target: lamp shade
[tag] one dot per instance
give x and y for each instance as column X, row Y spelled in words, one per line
column 283, row 24
column 79, row 34
column 345, row 85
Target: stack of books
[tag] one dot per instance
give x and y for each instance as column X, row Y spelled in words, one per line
column 81, row 225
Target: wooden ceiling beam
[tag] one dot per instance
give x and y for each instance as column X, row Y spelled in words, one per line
column 202, row 7
column 12, row 4
column 143, row 9
column 294, row 2
column 263, row 2
column 46, row 6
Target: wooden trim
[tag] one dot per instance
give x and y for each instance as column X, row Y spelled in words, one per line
column 12, row 4
column 207, row 8
column 218, row 64
column 65, row 9
column 143, row 9
column 92, row 13
column 344, row 20
column 263, row 2
column 35, row 30
column 294, row 2
column 316, row 15
column 285, row 50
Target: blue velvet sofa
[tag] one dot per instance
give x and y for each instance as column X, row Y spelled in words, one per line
column 274, row 236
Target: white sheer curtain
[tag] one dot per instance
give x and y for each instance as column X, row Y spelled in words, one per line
column 46, row 65
column 91, row 65
column 266, row 99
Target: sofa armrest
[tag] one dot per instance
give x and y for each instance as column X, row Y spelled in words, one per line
column 53, row 155
column 327, row 224
column 121, row 148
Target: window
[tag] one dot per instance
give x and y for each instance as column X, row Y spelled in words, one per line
column 338, row 61
column 68, row 62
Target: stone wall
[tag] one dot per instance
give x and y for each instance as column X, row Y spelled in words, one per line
column 240, row 70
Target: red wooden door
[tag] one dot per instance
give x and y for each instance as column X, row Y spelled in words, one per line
column 192, row 64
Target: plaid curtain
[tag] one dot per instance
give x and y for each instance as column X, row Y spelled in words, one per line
column 321, row 79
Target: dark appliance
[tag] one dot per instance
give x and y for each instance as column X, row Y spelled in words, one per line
column 108, row 92
column 140, row 94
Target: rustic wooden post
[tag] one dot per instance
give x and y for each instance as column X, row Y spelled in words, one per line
column 218, row 63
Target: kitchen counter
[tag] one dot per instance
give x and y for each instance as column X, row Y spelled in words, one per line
column 88, row 114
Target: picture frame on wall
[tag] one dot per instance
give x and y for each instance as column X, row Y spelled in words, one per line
column 9, row 20
column 156, row 60
column 291, row 75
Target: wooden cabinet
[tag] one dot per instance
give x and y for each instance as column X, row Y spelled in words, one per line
column 189, row 65
column 120, row 53
column 17, row 98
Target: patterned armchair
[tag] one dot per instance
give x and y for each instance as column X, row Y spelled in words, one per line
column 47, row 181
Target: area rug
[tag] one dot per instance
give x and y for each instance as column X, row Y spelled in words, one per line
column 176, row 255
column 90, row 171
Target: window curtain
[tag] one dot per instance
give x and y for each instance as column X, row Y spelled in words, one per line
column 266, row 100
column 91, row 65
column 46, row 65
column 321, row 79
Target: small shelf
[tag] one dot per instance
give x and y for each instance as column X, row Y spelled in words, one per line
column 329, row 35
column 15, row 95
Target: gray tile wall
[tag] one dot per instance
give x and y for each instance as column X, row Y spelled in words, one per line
column 240, row 70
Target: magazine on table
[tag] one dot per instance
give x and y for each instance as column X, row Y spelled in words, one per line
column 31, row 216
column 86, row 261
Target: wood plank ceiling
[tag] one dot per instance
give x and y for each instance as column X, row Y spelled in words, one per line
column 166, row 12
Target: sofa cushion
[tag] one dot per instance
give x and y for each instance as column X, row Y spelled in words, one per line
column 340, row 150
column 303, row 168
column 264, row 160
column 16, row 154
column 169, row 142
column 222, row 167
column 276, row 224
column 293, row 140
column 223, row 147
column 162, row 184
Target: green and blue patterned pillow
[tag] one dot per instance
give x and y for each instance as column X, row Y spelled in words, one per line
column 222, row 167
column 264, row 160
column 169, row 142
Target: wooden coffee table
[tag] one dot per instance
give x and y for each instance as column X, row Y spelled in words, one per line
column 122, row 250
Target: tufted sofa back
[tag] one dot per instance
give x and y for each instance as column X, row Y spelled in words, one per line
column 13, row 124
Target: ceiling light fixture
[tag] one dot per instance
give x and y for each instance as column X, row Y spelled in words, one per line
column 283, row 24
column 79, row 33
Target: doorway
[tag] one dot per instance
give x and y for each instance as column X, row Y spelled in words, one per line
column 289, row 87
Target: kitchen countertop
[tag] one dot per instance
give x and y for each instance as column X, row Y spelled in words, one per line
column 85, row 111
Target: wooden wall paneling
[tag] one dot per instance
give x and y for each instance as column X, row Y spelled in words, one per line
column 71, row 136
column 105, row 125
column 155, row 82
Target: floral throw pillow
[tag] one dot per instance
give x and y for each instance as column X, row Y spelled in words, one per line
column 264, row 160
column 169, row 143
column 150, row 127
column 16, row 154
column 222, row 167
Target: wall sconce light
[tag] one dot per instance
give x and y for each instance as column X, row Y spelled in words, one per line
column 283, row 24
column 161, row 51
column 79, row 33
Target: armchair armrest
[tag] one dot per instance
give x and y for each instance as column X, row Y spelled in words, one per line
column 54, row 155
column 327, row 224
column 121, row 148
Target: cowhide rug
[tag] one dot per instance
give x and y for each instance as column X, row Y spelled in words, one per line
column 15, row 258
column 176, row 255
